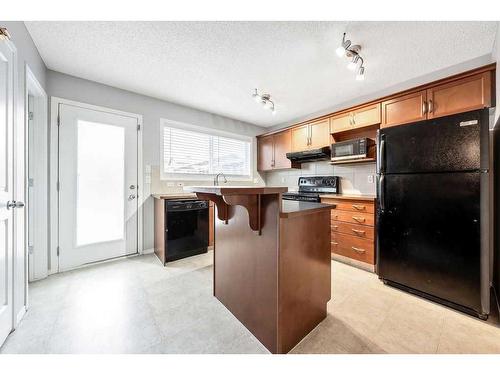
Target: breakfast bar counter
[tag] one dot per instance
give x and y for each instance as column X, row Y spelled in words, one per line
column 272, row 264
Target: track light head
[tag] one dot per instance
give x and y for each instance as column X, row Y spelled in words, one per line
column 354, row 63
column 360, row 76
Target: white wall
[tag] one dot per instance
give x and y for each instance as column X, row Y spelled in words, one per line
column 353, row 178
column 27, row 54
column 73, row 88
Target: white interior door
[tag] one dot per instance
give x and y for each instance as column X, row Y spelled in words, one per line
column 6, row 189
column 97, row 186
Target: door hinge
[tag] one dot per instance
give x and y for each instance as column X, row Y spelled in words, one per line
column 31, row 182
column 58, row 185
column 58, row 250
column 30, row 115
column 30, row 249
column 4, row 34
column 138, row 127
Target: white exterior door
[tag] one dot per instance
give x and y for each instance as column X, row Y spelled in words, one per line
column 6, row 189
column 98, row 203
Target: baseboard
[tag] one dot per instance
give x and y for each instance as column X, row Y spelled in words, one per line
column 148, row 251
column 353, row 262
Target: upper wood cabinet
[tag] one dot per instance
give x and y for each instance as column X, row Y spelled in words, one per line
column 466, row 94
column 265, row 153
column 300, row 138
column 310, row 136
column 359, row 118
column 319, row 134
column 282, row 145
column 272, row 149
column 461, row 95
column 404, row 109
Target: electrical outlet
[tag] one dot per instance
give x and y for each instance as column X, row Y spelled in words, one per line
column 371, row 179
column 282, row 180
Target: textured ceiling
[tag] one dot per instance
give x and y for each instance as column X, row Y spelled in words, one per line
column 215, row 66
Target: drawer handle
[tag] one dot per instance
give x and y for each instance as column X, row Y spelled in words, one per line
column 358, row 207
column 335, row 226
column 359, row 219
column 335, row 243
column 358, row 250
column 357, row 231
column 336, row 216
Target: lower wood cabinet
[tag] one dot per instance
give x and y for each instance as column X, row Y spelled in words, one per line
column 353, row 231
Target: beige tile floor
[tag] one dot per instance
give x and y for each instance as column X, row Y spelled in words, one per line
column 135, row 305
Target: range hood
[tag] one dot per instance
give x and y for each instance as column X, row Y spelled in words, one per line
column 310, row 155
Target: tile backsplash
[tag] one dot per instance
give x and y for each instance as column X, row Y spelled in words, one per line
column 353, row 178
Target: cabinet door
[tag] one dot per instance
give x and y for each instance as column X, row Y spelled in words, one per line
column 340, row 123
column 367, row 116
column 265, row 153
column 463, row 95
column 404, row 109
column 300, row 138
column 282, row 145
column 320, row 134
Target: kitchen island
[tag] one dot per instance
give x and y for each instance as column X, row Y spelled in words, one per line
column 272, row 265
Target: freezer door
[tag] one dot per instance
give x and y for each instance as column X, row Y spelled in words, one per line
column 451, row 143
column 429, row 235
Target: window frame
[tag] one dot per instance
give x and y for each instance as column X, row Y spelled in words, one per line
column 209, row 131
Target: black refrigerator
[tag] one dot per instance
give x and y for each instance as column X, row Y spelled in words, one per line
column 432, row 210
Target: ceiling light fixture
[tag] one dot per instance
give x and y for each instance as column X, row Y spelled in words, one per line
column 265, row 100
column 352, row 52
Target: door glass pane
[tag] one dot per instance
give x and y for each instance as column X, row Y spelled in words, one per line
column 4, row 87
column 100, row 183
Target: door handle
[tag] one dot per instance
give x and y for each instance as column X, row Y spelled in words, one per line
column 431, row 106
column 131, row 197
column 382, row 157
column 358, row 250
column 14, row 204
column 132, row 187
column 357, row 231
column 381, row 192
column 359, row 219
column 358, row 207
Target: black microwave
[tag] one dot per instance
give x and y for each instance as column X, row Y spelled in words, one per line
column 351, row 149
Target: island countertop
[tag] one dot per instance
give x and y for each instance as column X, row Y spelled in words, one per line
column 236, row 190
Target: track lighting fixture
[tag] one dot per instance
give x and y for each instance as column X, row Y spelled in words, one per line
column 352, row 52
column 265, row 100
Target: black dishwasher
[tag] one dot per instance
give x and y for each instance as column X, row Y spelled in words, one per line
column 186, row 228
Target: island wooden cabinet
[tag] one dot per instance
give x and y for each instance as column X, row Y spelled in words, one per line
column 272, row 150
column 359, row 118
column 310, row 136
column 461, row 95
column 353, row 231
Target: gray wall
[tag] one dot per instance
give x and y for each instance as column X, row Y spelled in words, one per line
column 27, row 54
column 73, row 88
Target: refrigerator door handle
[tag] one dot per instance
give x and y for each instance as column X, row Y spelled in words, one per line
column 381, row 189
column 382, row 157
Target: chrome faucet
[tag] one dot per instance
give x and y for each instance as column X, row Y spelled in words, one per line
column 216, row 179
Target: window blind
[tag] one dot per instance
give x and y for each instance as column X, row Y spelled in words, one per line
column 198, row 153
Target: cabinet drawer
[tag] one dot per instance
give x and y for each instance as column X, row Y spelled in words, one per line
column 356, row 230
column 353, row 247
column 355, row 206
column 353, row 217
